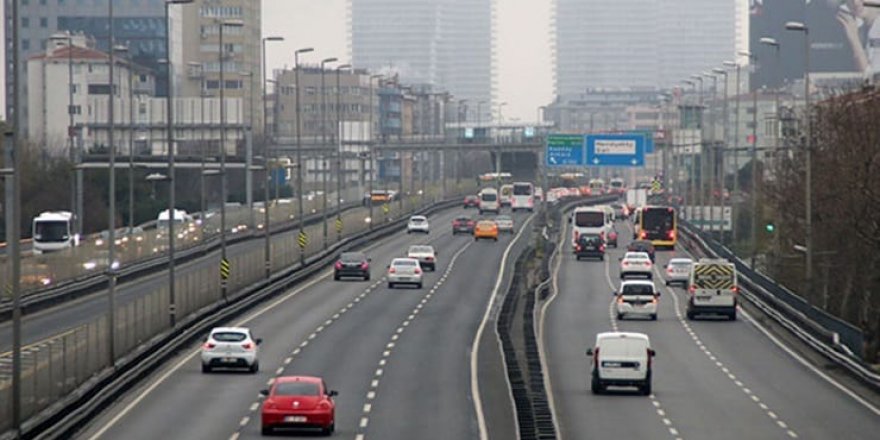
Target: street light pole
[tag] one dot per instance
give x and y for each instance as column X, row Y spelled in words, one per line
column 111, row 212
column 324, row 144
column 222, row 24
column 777, row 126
column 372, row 144
column 720, row 178
column 808, row 153
column 15, row 238
column 299, row 164
column 340, row 131
column 700, row 196
column 710, row 153
column 734, row 194
column 265, row 99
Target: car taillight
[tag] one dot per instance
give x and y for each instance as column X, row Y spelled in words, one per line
column 364, row 266
column 601, row 247
column 620, row 299
column 625, row 264
column 324, row 405
column 669, row 271
column 208, row 346
column 429, row 259
column 417, row 271
column 391, row 270
column 734, row 289
column 692, row 289
column 339, row 265
column 650, row 359
column 596, row 357
column 247, row 346
column 269, row 404
column 612, row 235
column 643, row 234
column 578, row 247
column 602, row 235
column 671, row 234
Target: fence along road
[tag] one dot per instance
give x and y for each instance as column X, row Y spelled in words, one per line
column 54, row 366
column 712, row 379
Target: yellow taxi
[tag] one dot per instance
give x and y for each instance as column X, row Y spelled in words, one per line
column 486, row 229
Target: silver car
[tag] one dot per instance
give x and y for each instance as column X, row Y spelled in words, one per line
column 230, row 347
column 426, row 255
column 505, row 223
column 404, row 271
column 678, row 271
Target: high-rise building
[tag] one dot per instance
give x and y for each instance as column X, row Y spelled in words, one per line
column 639, row 43
column 446, row 44
column 138, row 24
column 200, row 54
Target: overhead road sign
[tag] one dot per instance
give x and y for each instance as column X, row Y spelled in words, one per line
column 564, row 150
column 616, row 150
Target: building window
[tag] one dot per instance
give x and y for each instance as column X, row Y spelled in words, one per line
column 212, row 84
column 75, row 110
column 25, row 44
column 750, row 125
column 44, row 22
column 25, row 22
column 750, row 110
column 233, row 84
column 101, row 89
column 42, row 2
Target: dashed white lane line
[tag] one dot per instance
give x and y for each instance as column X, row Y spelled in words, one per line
column 723, row 368
column 371, row 395
column 244, row 421
column 254, row 406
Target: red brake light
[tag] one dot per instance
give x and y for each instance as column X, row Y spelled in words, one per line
column 324, row 405
column 247, row 346
column 692, row 289
column 209, row 346
column 365, row 265
column 392, row 270
column 734, row 289
column 671, row 234
column 650, row 358
column 601, row 247
column 339, row 265
column 596, row 357
column 429, row 258
column 643, row 234
column 269, row 404
column 578, row 247
column 625, row 264
column 417, row 270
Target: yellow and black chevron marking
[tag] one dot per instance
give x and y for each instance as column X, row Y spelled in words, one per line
column 339, row 225
column 224, row 269
column 386, row 208
column 303, row 239
column 714, row 276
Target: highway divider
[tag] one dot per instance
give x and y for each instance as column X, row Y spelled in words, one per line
column 836, row 340
column 533, row 408
column 69, row 413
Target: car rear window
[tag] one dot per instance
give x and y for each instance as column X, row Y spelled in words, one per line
column 680, row 264
column 638, row 289
column 420, row 249
column 404, row 263
column 352, row 257
column 297, row 389
column 503, row 218
column 636, row 257
column 229, row 336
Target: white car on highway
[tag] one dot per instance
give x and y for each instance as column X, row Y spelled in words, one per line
column 621, row 359
column 426, row 255
column 678, row 271
column 636, row 264
column 505, row 223
column 637, row 298
column 230, row 347
column 418, row 223
column 404, row 271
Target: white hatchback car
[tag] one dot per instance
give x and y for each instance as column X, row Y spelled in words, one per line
column 505, row 223
column 426, row 255
column 230, row 347
column 636, row 264
column 418, row 223
column 678, row 271
column 637, row 298
column 404, row 271
column 622, row 359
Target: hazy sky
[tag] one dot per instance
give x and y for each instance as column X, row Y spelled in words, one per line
column 522, row 37
column 523, row 66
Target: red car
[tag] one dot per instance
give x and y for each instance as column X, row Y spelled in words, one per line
column 471, row 202
column 463, row 224
column 298, row 402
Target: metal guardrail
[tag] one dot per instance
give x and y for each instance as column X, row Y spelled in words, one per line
column 788, row 310
column 93, row 282
column 71, row 411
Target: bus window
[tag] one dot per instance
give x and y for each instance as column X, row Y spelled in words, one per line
column 594, row 219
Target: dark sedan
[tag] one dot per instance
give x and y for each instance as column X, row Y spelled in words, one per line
column 463, row 224
column 352, row 264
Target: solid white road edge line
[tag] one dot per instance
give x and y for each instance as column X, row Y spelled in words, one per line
column 475, row 381
column 548, row 384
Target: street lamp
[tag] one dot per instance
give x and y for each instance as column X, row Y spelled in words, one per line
column 700, row 199
column 169, row 120
column 265, row 99
column 736, row 126
column 324, row 142
column 339, row 168
column 371, row 145
column 767, row 41
column 720, row 179
column 808, row 153
column 222, row 24
column 710, row 151
column 299, row 167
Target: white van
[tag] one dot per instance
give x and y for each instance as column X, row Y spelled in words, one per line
column 621, row 359
column 712, row 288
column 592, row 220
column 489, row 200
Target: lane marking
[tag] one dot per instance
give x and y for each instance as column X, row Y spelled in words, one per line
column 475, row 385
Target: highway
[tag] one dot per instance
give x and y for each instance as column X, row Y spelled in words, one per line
column 712, row 379
column 399, row 358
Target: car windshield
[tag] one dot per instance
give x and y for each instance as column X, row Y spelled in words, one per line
column 638, row 289
column 229, row 336
column 352, row 257
column 297, row 389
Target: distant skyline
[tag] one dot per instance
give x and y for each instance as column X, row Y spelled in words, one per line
column 522, row 36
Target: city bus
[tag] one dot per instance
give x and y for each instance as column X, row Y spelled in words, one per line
column 523, row 196
column 658, row 224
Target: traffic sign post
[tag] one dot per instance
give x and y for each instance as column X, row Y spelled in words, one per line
column 615, row 150
column 564, row 150
column 224, row 270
